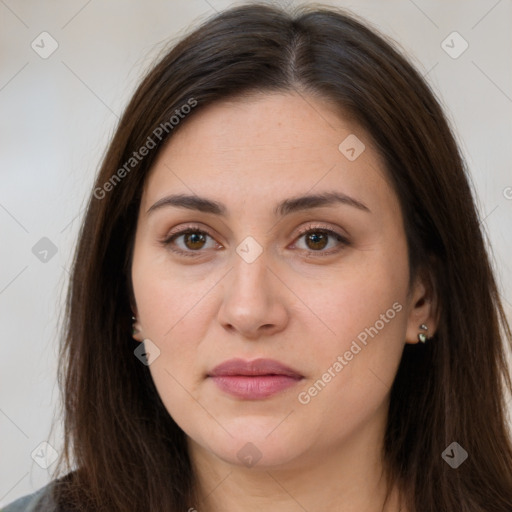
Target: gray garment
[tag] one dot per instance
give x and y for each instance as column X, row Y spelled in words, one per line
column 39, row 501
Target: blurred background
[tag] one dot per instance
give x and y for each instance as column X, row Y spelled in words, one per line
column 68, row 68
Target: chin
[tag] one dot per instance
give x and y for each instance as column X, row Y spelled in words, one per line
column 257, row 444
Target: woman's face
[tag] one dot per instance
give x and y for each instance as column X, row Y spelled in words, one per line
column 317, row 286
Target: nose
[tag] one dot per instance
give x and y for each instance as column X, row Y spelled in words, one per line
column 253, row 302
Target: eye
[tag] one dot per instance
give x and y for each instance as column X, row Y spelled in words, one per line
column 193, row 240
column 316, row 239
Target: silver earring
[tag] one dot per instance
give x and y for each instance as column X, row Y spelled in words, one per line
column 422, row 336
column 134, row 331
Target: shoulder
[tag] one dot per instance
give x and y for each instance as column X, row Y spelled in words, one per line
column 38, row 501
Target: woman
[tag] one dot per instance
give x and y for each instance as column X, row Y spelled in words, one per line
column 281, row 296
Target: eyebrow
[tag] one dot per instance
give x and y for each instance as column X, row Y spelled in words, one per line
column 286, row 207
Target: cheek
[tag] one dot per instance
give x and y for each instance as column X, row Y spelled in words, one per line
column 171, row 310
column 167, row 297
column 173, row 317
column 355, row 368
column 172, row 314
column 361, row 323
column 358, row 296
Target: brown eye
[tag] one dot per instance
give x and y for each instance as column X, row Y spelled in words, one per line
column 317, row 240
column 189, row 242
column 194, row 240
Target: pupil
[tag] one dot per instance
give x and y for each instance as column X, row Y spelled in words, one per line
column 316, row 238
column 194, row 239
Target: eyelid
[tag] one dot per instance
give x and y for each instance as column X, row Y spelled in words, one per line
column 184, row 229
column 321, row 227
column 342, row 239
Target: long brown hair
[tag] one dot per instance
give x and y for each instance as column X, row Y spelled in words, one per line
column 125, row 451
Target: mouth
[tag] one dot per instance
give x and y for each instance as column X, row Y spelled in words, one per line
column 254, row 380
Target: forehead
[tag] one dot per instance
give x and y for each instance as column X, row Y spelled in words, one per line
column 268, row 145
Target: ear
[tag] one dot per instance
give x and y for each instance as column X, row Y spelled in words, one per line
column 136, row 327
column 423, row 308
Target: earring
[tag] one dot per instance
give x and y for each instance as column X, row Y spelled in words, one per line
column 422, row 336
column 134, row 330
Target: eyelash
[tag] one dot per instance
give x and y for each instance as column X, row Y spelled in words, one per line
column 305, row 231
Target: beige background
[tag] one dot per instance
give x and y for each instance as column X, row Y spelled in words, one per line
column 57, row 115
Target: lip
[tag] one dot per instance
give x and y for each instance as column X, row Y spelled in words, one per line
column 254, row 380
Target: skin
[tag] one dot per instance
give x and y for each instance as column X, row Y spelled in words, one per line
column 290, row 304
